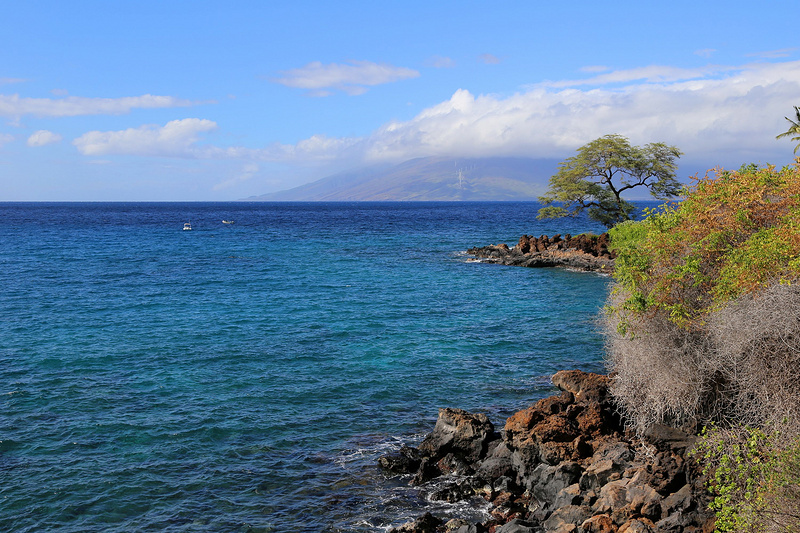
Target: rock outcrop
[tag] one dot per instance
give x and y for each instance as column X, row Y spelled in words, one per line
column 565, row 464
column 581, row 252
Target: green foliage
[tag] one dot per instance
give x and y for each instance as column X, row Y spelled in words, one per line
column 595, row 179
column 704, row 325
column 794, row 129
column 753, row 477
column 734, row 234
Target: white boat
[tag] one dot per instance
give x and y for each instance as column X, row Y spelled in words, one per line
column 227, row 221
column 187, row 226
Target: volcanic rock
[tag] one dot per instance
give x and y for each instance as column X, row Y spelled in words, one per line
column 582, row 252
column 564, row 464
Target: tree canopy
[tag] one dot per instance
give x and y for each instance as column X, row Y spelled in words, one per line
column 794, row 129
column 596, row 178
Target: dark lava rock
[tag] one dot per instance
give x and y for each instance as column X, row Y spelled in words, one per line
column 459, row 432
column 404, row 461
column 563, row 465
column 582, row 252
column 424, row 524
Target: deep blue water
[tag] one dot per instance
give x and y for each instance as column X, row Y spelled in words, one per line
column 247, row 377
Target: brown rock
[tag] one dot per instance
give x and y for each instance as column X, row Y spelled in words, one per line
column 524, row 245
column 613, row 496
column 601, row 523
column 567, row 518
column 556, row 428
column 585, row 386
column 640, row 525
column 553, row 452
column 582, row 252
column 645, row 501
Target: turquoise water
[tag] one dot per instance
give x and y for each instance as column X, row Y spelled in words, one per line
column 246, row 377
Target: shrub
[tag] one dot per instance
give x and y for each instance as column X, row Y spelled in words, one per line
column 734, row 234
column 754, row 477
column 755, row 343
column 704, row 321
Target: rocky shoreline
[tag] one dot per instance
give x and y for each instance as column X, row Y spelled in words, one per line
column 581, row 252
column 565, row 464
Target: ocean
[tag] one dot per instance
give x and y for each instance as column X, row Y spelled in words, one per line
column 246, row 377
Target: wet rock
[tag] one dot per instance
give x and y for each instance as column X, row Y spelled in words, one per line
column 427, row 471
column 455, row 491
column 460, row 432
column 452, row 464
column 404, row 461
column 424, row 524
column 470, row 528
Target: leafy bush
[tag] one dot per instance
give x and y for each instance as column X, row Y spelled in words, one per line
column 755, row 479
column 704, row 321
column 734, row 234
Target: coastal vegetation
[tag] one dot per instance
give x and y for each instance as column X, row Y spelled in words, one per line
column 753, row 476
column 595, row 179
column 703, row 330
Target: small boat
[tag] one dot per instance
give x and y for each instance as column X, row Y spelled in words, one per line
column 187, row 226
column 227, row 221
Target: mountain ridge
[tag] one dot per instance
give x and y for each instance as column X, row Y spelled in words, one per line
column 430, row 179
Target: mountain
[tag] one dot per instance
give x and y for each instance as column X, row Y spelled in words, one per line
column 430, row 179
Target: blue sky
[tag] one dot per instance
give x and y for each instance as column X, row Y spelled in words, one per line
column 165, row 101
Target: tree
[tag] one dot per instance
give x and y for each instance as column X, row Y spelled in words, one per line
column 794, row 129
column 596, row 178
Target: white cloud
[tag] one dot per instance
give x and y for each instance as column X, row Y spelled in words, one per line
column 774, row 54
column 5, row 138
column 440, row 62
column 700, row 111
column 708, row 113
column 649, row 74
column 314, row 150
column 14, row 106
column 489, row 59
column 175, row 139
column 248, row 171
column 353, row 78
column 6, row 81
column 705, row 52
column 43, row 137
column 594, row 68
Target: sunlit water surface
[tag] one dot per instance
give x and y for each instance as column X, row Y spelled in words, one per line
column 247, row 376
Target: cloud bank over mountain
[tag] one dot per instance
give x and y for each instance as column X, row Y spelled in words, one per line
column 712, row 112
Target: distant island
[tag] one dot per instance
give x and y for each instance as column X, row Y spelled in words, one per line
column 429, row 179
